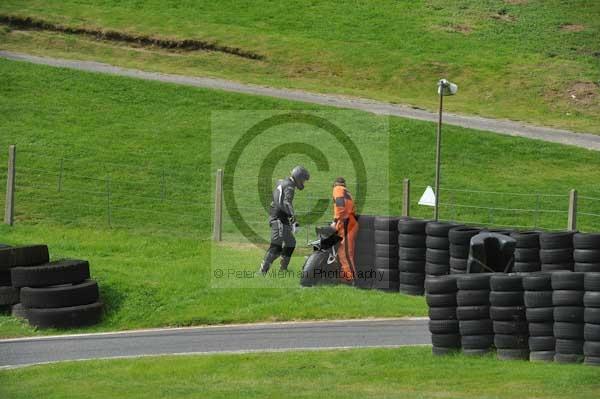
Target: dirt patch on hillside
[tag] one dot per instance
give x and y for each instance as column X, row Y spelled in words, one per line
column 28, row 23
column 572, row 27
column 583, row 93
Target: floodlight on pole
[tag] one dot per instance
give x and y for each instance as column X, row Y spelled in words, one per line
column 445, row 88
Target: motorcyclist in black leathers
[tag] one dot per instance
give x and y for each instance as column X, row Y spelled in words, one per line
column 282, row 219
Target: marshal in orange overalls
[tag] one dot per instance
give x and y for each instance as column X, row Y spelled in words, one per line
column 346, row 226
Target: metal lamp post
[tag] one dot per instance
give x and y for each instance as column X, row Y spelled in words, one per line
column 445, row 88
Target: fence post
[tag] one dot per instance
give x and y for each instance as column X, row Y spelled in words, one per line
column 218, row 218
column 572, row 222
column 9, row 210
column 406, row 197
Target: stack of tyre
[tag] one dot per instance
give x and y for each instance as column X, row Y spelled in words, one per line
column 527, row 252
column 437, row 254
column 587, row 252
column 386, row 254
column 591, row 331
column 411, row 255
column 443, row 323
column 567, row 298
column 460, row 244
column 57, row 294
column 540, row 316
column 507, row 312
column 556, row 251
column 473, row 313
column 364, row 255
column 11, row 257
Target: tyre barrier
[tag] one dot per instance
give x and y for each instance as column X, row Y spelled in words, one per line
column 364, row 254
column 437, row 253
column 540, row 316
column 511, row 331
column 586, row 253
column 473, row 313
column 386, row 254
column 567, row 299
column 460, row 242
column 443, row 324
column 48, row 294
column 556, row 251
column 411, row 255
column 591, row 329
column 527, row 251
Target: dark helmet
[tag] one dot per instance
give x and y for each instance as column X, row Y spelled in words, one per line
column 300, row 175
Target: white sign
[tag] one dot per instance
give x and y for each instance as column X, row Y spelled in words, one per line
column 428, row 197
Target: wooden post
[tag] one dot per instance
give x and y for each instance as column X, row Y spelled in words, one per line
column 9, row 210
column 218, row 218
column 572, row 223
column 406, row 197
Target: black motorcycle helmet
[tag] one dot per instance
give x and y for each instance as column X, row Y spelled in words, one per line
column 299, row 174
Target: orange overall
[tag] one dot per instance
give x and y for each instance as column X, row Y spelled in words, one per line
column 347, row 228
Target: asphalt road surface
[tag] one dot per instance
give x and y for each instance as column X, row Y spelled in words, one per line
column 506, row 127
column 218, row 339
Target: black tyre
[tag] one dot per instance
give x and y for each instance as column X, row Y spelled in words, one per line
column 506, row 298
column 473, row 298
column 446, row 313
column 538, row 282
column 60, row 296
column 75, row 316
column 527, row 255
column 509, row 341
column 592, row 282
column 469, row 342
column 567, row 358
column 457, row 271
column 539, row 344
column 439, row 256
column 591, row 332
column 386, row 275
column 386, row 223
column 5, row 278
column 541, row 330
column 569, row 314
column 557, row 267
column 366, row 222
column 586, row 241
column 459, row 251
column 441, row 285
column 567, row 281
column 477, row 352
column 573, row 331
column 569, row 347
column 556, row 240
column 18, row 311
column 591, row 361
column 434, row 242
column 506, row 282
column 31, row 255
column 591, row 315
column 531, row 267
column 512, row 354
column 476, row 327
column 411, row 266
column 507, row 313
column 443, row 326
column 8, row 295
column 411, row 240
column 587, row 267
column 505, row 232
column 385, row 285
column 473, row 312
column 511, row 327
column 477, row 281
column 386, row 237
column 386, row 251
column 386, row 263
column 412, row 226
column 438, row 351
column 458, row 264
column 526, row 239
column 416, row 279
column 537, row 299
column 434, row 269
column 446, row 340
column 462, row 235
column 540, row 315
column 416, row 254
column 556, row 255
column 591, row 299
column 541, row 356
column 411, row 289
column 567, row 298
column 438, row 229
column 441, row 300
column 586, row 255
column 591, row 348
column 54, row 273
